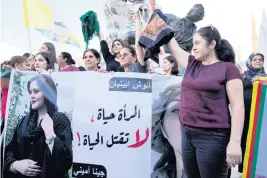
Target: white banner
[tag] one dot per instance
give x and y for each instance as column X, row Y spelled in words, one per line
column 120, row 127
column 112, row 126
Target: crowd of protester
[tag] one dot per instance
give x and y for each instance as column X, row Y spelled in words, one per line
column 213, row 138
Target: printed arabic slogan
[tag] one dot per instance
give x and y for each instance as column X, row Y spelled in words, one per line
column 255, row 157
column 112, row 129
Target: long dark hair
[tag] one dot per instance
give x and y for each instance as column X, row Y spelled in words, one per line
column 175, row 70
column 47, row 86
column 49, row 59
column 68, row 56
column 223, row 48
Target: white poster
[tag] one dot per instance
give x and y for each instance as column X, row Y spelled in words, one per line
column 123, row 124
column 166, row 154
column 111, row 126
column 120, row 17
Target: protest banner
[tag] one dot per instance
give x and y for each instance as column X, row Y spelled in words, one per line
column 255, row 157
column 111, row 126
column 112, row 121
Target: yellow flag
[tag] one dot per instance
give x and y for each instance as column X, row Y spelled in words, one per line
column 37, row 14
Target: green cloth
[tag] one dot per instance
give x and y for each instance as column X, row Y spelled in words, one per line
column 5, row 73
column 90, row 28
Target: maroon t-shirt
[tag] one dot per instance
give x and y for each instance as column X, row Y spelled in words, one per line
column 70, row 68
column 204, row 102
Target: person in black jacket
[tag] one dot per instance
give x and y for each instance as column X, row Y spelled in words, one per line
column 254, row 70
column 111, row 60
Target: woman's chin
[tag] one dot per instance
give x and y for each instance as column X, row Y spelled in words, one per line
column 34, row 108
column 258, row 67
column 116, row 51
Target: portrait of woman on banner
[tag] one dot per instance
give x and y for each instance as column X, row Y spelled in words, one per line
column 166, row 134
column 41, row 146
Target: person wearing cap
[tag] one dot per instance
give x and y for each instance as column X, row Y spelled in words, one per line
column 66, row 63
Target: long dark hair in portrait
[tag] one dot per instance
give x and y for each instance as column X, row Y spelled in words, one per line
column 47, row 86
column 223, row 48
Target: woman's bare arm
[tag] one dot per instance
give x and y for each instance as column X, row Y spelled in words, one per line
column 234, row 90
column 178, row 53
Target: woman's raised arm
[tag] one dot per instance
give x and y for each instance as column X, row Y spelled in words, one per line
column 179, row 54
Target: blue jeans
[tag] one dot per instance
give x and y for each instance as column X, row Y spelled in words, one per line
column 204, row 155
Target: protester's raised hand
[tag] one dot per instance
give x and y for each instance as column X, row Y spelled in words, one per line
column 137, row 7
column 101, row 36
column 27, row 167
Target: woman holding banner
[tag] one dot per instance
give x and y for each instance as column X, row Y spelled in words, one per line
column 42, row 142
column 92, row 60
column 211, row 138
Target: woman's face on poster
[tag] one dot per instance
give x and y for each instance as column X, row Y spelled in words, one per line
column 37, row 97
column 40, row 63
column 172, row 109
